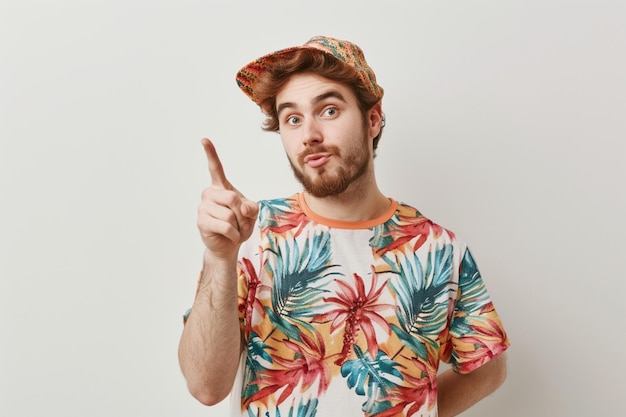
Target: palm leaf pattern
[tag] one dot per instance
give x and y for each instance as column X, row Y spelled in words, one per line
column 422, row 294
column 473, row 295
column 299, row 272
column 471, row 286
column 476, row 331
column 256, row 355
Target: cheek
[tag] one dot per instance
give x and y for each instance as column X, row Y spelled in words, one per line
column 290, row 147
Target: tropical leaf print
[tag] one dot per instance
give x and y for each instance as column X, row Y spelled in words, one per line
column 303, row 409
column 422, row 294
column 418, row 388
column 287, row 327
column 297, row 272
column 318, row 333
column 308, row 409
column 281, row 215
column 471, row 286
column 257, row 360
column 484, row 342
column 304, row 368
column 473, row 297
column 409, row 226
column 372, row 378
column 257, row 349
column 356, row 311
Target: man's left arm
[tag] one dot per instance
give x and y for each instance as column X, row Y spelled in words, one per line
column 458, row 392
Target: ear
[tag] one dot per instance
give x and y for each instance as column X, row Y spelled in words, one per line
column 375, row 120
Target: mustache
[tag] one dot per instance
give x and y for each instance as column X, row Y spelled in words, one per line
column 317, row 149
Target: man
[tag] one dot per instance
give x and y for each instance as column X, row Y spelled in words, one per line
column 338, row 300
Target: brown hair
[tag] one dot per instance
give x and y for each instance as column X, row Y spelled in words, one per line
column 317, row 62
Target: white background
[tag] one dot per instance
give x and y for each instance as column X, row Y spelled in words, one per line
column 505, row 123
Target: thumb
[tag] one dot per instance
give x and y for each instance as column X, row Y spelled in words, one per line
column 250, row 209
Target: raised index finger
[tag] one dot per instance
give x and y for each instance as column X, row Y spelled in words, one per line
column 218, row 178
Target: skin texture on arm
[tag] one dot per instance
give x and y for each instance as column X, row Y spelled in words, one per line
column 457, row 393
column 210, row 344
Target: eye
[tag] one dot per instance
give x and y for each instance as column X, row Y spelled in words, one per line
column 293, row 120
column 330, row 112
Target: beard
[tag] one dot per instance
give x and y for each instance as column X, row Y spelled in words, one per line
column 329, row 182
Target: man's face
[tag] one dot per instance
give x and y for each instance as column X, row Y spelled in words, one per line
column 326, row 138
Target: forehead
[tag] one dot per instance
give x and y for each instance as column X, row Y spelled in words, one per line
column 305, row 88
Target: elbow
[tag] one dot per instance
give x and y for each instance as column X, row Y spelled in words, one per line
column 206, row 395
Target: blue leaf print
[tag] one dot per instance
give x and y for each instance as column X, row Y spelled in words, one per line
column 371, row 377
column 423, row 294
column 298, row 273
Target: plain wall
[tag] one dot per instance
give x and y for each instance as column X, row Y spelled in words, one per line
column 505, row 123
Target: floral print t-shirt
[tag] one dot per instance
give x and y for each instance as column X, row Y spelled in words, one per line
column 353, row 318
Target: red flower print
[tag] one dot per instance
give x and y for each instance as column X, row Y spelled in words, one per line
column 356, row 311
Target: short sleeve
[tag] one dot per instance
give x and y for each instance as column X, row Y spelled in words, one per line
column 476, row 332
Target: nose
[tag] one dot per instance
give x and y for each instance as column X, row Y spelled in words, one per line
column 312, row 132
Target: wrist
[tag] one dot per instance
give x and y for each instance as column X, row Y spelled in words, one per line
column 213, row 259
column 218, row 273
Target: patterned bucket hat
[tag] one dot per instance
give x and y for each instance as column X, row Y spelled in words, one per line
column 345, row 51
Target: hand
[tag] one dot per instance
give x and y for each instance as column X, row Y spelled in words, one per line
column 225, row 217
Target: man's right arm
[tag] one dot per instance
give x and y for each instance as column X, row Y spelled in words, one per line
column 210, row 344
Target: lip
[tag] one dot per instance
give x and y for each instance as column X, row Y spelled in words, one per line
column 317, row 159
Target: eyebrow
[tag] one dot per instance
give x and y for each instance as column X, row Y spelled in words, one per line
column 329, row 94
